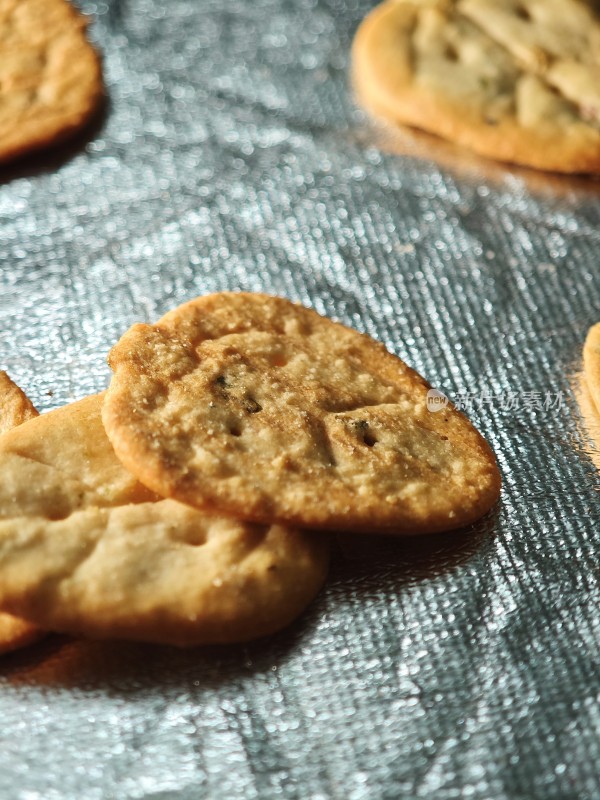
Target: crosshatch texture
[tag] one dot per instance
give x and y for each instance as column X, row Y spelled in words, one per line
column 232, row 156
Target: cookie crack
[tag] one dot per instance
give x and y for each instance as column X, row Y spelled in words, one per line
column 33, row 460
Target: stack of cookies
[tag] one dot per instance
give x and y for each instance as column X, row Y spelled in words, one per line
column 189, row 504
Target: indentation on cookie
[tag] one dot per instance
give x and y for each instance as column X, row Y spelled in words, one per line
column 452, row 53
column 369, row 440
column 367, row 435
column 523, row 13
column 221, row 384
column 193, row 537
column 235, row 430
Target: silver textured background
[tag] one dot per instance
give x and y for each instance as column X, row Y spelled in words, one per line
column 232, row 156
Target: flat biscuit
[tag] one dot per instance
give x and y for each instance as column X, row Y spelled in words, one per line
column 266, row 410
column 15, row 408
column 86, row 549
column 591, row 362
column 444, row 66
column 50, row 76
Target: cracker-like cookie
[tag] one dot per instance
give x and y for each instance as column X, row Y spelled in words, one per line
column 50, row 77
column 591, row 362
column 266, row 410
column 86, row 549
column 15, row 408
column 475, row 72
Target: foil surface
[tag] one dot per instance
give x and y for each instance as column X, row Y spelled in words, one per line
column 231, row 155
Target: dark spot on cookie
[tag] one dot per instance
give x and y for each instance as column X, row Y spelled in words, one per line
column 235, row 430
column 251, row 406
column 221, row 386
column 452, row 53
column 523, row 13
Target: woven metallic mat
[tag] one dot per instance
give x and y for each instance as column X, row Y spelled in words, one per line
column 231, row 156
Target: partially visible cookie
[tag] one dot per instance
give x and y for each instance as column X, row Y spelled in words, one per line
column 15, row 408
column 50, row 77
column 85, row 549
column 16, row 633
column 265, row 410
column 591, row 418
column 475, row 72
column 591, row 362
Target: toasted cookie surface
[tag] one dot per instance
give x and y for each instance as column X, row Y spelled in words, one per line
column 50, row 78
column 85, row 548
column 266, row 410
column 15, row 408
column 591, row 362
column 507, row 79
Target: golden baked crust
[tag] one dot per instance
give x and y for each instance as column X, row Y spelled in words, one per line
column 50, row 76
column 86, row 549
column 482, row 73
column 265, row 410
column 15, row 408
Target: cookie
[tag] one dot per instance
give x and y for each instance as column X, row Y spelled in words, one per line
column 590, row 417
column 591, row 362
column 86, row 549
column 483, row 73
column 50, row 76
column 15, row 408
column 266, row 410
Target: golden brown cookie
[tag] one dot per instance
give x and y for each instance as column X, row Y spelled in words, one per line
column 590, row 416
column 266, row 410
column 86, row 549
column 15, row 408
column 488, row 74
column 591, row 362
column 50, row 77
